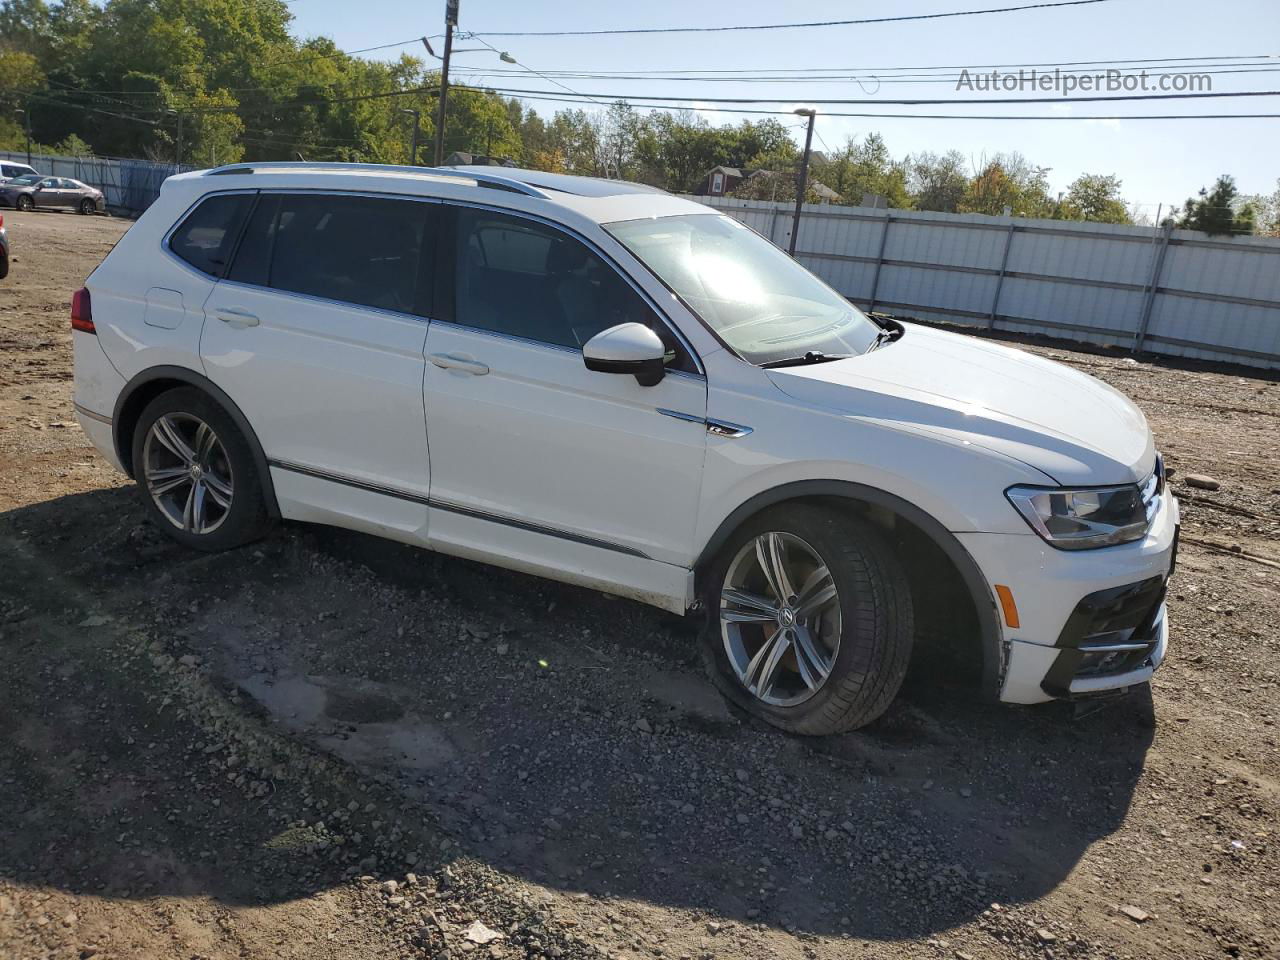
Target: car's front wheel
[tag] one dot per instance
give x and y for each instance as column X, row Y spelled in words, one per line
column 24, row 203
column 87, row 206
column 196, row 472
column 809, row 620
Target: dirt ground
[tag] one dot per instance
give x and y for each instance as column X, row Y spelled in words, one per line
column 329, row 746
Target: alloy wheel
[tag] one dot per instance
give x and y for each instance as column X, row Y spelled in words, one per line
column 187, row 473
column 780, row 619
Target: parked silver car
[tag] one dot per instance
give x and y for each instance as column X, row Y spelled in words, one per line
column 29, row 192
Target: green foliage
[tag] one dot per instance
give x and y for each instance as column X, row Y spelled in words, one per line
column 937, row 181
column 72, row 146
column 859, row 168
column 1009, row 182
column 215, row 81
column 1221, row 210
column 1096, row 197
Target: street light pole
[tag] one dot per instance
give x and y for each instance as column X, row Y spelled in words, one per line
column 802, row 180
column 450, row 21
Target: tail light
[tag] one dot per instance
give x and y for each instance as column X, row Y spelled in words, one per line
column 82, row 311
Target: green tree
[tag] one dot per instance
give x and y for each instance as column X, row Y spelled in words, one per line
column 862, row 167
column 1096, row 197
column 937, row 181
column 1221, row 210
column 1009, row 181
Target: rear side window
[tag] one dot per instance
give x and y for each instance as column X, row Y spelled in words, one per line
column 206, row 237
column 369, row 251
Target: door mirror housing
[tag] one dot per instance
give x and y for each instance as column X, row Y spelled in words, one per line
column 627, row 348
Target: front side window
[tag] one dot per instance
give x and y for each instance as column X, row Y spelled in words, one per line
column 764, row 305
column 206, row 237
column 368, row 251
column 525, row 279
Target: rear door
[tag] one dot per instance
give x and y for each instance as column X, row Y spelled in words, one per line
column 318, row 333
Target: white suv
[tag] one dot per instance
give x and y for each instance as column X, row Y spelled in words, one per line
column 600, row 383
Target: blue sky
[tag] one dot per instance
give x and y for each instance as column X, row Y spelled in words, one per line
column 1158, row 161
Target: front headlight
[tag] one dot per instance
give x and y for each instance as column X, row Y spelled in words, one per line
column 1083, row 519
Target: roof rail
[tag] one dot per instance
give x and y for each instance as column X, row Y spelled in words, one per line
column 480, row 177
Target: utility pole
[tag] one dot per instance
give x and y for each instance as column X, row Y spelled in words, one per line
column 413, row 148
column 802, row 180
column 450, row 21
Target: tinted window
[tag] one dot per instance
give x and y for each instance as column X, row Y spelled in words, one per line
column 206, row 237
column 362, row 250
column 524, row 279
column 253, row 257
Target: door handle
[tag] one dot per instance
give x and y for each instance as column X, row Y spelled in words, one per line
column 448, row 361
column 237, row 318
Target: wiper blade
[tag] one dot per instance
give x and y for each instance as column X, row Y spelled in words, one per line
column 813, row 356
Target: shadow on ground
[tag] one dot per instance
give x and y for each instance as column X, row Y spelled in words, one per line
column 555, row 734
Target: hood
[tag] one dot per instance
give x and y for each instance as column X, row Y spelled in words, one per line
column 1068, row 425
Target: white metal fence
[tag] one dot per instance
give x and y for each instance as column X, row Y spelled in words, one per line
column 130, row 186
column 1176, row 292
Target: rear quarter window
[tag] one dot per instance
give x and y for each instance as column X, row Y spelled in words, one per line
column 208, row 234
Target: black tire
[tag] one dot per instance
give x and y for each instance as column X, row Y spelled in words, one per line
column 24, row 203
column 4, row 264
column 246, row 519
column 87, row 206
column 877, row 627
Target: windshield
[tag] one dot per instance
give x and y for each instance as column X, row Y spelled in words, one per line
column 760, row 302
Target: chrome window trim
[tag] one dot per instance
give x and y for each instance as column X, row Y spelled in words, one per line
column 596, row 249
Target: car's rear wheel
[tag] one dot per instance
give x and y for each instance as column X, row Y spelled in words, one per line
column 196, row 472
column 87, row 206
column 809, row 620
column 24, row 202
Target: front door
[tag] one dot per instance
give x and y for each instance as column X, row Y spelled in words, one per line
column 523, row 435
column 318, row 334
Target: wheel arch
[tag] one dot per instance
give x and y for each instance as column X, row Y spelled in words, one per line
column 149, row 384
column 974, row 583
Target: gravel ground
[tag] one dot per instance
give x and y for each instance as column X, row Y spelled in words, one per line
column 326, row 745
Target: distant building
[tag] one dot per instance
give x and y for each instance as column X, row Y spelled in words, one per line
column 719, row 181
column 758, row 184
column 461, row 159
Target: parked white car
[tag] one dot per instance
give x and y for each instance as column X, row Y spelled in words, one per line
column 603, row 384
column 10, row 170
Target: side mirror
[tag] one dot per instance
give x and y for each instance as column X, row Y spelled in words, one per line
column 627, row 348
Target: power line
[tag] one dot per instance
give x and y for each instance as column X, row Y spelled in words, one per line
column 933, row 102
column 695, row 107
column 962, row 66
column 851, row 77
column 786, row 26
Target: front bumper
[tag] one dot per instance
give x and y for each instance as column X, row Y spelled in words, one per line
column 1092, row 621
